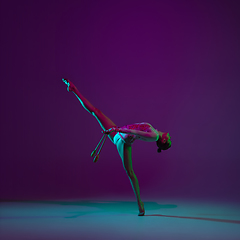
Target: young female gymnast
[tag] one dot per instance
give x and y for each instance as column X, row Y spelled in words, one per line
column 124, row 137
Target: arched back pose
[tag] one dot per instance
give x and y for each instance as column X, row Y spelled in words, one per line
column 124, row 137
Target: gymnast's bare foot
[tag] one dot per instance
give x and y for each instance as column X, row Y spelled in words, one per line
column 70, row 85
column 141, row 209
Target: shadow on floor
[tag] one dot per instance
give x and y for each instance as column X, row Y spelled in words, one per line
column 196, row 218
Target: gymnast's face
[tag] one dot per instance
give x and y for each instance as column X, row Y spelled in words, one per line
column 166, row 141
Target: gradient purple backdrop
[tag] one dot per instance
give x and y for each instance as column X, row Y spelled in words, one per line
column 174, row 64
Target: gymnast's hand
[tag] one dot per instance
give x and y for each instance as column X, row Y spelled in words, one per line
column 110, row 130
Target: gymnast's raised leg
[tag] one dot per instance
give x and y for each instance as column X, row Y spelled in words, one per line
column 124, row 150
column 103, row 120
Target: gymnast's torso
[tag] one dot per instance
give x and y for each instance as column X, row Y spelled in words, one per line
column 129, row 138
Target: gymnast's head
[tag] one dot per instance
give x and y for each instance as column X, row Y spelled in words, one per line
column 164, row 141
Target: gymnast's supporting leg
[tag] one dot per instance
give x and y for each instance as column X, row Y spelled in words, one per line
column 125, row 152
column 103, row 120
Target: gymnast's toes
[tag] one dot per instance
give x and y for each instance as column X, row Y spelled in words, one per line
column 141, row 210
column 70, row 85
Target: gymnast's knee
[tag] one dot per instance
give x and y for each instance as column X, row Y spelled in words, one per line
column 96, row 112
column 130, row 173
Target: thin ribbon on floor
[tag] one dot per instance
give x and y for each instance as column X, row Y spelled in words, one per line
column 93, row 154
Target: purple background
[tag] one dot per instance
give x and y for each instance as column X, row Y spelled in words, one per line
column 174, row 64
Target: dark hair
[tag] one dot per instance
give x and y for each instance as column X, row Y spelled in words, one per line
column 162, row 143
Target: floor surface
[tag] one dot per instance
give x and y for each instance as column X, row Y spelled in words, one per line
column 85, row 219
